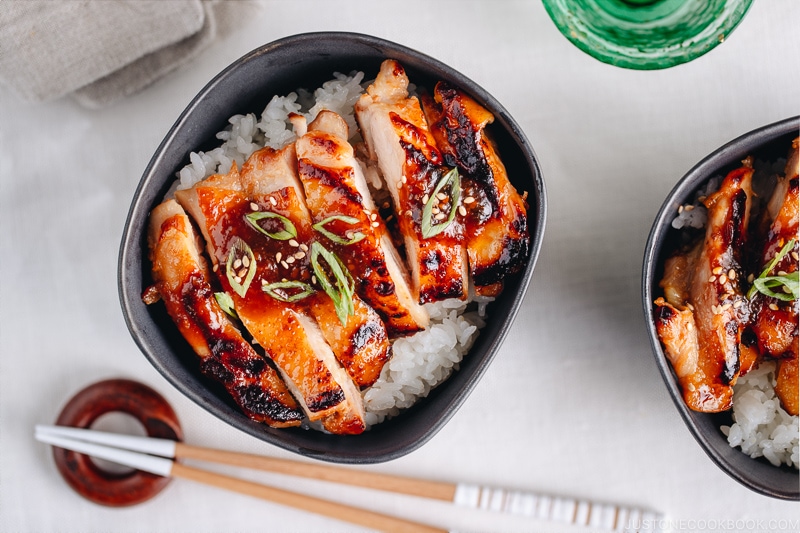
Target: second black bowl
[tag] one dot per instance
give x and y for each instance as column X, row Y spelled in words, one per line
column 768, row 143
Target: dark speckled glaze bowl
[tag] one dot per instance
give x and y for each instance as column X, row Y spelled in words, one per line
column 247, row 85
column 768, row 143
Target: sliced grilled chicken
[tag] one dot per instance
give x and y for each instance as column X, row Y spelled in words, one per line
column 359, row 340
column 341, row 205
column 182, row 281
column 776, row 321
column 714, row 300
column 248, row 261
column 397, row 137
column 496, row 214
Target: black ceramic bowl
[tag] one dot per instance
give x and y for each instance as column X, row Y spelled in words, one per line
column 246, row 86
column 768, row 143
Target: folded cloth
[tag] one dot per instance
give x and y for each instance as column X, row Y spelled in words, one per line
column 101, row 51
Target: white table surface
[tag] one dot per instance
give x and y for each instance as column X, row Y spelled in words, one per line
column 573, row 404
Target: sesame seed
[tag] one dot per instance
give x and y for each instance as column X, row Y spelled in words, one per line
column 787, row 290
column 284, row 264
column 313, row 279
column 723, row 279
column 690, row 306
column 293, row 243
column 243, row 273
column 373, row 216
column 680, row 209
column 737, row 304
column 731, row 274
column 462, row 210
column 253, row 206
column 689, row 207
column 273, row 201
column 781, row 272
column 773, row 307
column 441, row 196
column 750, row 278
column 795, row 256
column 440, row 216
column 691, row 387
column 237, row 279
column 303, row 247
column 246, row 261
column 725, row 307
column 436, row 210
column 215, row 267
column 399, row 184
column 425, row 199
column 237, row 263
column 278, row 257
column 712, row 279
column 290, row 260
column 717, row 271
column 299, row 255
column 376, row 224
column 689, row 326
column 409, row 213
column 405, row 180
column 468, row 200
column 349, row 234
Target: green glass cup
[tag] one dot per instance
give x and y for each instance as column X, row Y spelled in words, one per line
column 646, row 34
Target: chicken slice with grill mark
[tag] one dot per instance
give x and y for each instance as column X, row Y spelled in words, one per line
column 289, row 335
column 337, row 192
column 397, row 137
column 775, row 324
column 360, row 342
column 496, row 215
column 182, row 281
column 713, row 298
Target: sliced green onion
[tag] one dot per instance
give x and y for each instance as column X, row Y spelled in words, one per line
column 789, row 282
column 279, row 290
column 429, row 228
column 356, row 236
column 226, row 303
column 764, row 283
column 289, row 231
column 239, row 251
column 341, row 288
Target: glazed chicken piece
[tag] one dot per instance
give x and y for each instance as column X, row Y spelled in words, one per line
column 359, row 340
column 341, row 205
column 247, row 261
column 426, row 195
column 701, row 324
column 182, row 281
column 776, row 321
column 496, row 219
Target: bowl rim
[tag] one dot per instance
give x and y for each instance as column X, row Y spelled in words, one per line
column 688, row 183
column 129, row 244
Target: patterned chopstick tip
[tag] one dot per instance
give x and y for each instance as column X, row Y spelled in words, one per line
column 593, row 515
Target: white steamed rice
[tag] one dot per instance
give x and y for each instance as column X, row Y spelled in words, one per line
column 762, row 428
column 419, row 362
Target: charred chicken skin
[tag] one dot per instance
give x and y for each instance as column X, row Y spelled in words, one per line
column 701, row 323
column 495, row 213
column 426, row 194
column 182, row 281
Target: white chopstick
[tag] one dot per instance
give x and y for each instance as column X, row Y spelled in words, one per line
column 598, row 516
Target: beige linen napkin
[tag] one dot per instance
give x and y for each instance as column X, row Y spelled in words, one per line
column 100, row 51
